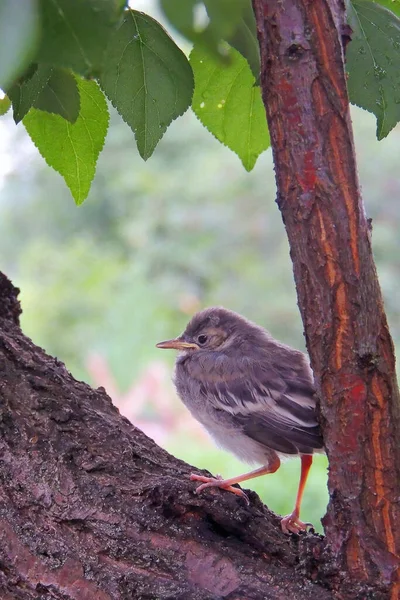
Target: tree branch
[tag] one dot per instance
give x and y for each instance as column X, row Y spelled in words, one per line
column 92, row 509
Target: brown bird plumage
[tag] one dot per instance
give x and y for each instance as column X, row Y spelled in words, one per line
column 254, row 395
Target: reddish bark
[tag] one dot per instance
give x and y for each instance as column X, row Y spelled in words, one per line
column 304, row 90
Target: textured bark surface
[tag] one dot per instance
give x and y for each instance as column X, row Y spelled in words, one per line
column 92, row 509
column 304, row 91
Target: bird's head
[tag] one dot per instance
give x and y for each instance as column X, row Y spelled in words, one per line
column 212, row 329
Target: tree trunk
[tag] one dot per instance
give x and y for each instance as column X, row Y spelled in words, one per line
column 92, row 509
column 304, row 89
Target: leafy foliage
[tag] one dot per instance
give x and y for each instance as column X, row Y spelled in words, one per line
column 228, row 20
column 229, row 104
column 373, row 60
column 244, row 39
column 45, row 44
column 51, row 90
column 78, row 144
column 76, row 32
column 27, row 90
column 393, row 5
column 147, row 78
column 60, row 95
column 5, row 105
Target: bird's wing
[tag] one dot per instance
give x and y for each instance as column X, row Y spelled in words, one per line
column 274, row 405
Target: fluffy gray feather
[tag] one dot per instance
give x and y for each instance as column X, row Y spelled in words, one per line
column 254, row 395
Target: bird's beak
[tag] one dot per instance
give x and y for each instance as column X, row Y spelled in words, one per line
column 177, row 344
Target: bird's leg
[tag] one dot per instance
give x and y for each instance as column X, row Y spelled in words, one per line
column 291, row 523
column 227, row 484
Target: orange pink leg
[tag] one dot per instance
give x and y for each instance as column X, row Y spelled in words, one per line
column 290, row 523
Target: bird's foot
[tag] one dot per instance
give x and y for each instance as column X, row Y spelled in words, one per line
column 292, row 524
column 217, row 481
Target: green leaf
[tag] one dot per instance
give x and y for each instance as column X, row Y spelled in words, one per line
column 244, row 39
column 229, row 104
column 60, row 95
column 229, row 20
column 393, row 5
column 223, row 17
column 46, row 88
column 72, row 149
column 147, row 78
column 75, row 32
column 5, row 104
column 181, row 16
column 373, row 61
column 18, row 37
column 27, row 89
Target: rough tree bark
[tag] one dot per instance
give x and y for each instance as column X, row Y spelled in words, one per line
column 92, row 509
column 304, row 90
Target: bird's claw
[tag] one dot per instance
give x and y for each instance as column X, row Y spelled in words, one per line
column 217, row 481
column 204, row 479
column 292, row 524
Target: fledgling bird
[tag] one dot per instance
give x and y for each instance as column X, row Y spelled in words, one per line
column 253, row 394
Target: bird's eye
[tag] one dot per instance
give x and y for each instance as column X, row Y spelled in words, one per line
column 202, row 339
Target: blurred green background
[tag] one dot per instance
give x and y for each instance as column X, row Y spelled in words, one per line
column 155, row 242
